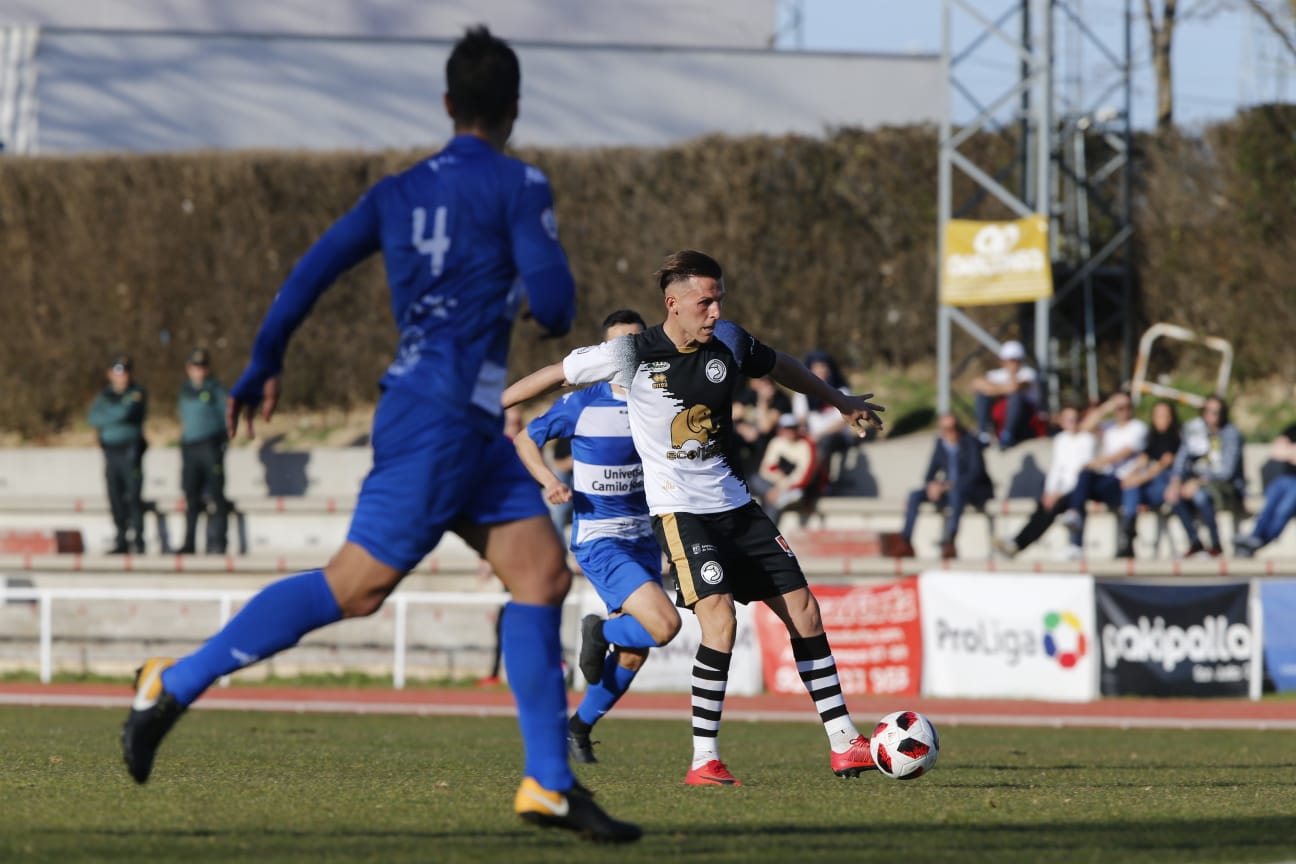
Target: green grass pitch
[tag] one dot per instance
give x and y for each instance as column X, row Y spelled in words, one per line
column 319, row 788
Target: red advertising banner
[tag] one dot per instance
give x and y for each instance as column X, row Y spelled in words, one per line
column 876, row 637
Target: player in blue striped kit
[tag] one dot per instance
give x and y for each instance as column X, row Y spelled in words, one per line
column 464, row 235
column 611, row 537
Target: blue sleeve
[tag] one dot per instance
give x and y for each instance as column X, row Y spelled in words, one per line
column 540, row 260
column 754, row 359
column 350, row 240
column 560, row 420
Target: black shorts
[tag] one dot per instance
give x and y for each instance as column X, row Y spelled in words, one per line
column 738, row 552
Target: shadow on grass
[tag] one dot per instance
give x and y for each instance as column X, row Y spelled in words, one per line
column 1016, row 840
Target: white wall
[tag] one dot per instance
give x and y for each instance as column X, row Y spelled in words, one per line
column 731, row 23
column 149, row 92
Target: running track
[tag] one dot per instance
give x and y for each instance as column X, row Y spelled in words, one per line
column 498, row 702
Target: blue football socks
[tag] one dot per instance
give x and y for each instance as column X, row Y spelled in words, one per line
column 625, row 631
column 600, row 697
column 533, row 659
column 276, row 618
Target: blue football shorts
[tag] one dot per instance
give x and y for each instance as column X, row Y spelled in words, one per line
column 616, row 568
column 430, row 470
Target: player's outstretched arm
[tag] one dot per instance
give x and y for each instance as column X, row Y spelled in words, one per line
column 555, row 491
column 860, row 413
column 347, row 242
column 536, row 384
column 237, row 409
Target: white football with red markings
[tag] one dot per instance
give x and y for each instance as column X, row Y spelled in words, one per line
column 904, row 745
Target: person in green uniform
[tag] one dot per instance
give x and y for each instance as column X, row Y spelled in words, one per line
column 118, row 414
column 202, row 449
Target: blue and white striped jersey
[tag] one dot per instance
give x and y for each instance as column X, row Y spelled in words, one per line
column 607, row 476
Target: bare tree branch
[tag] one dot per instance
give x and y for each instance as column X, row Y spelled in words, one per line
column 1274, row 24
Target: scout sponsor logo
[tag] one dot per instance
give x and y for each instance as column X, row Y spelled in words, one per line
column 693, row 425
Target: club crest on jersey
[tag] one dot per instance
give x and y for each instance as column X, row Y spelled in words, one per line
column 711, row 573
column 783, row 544
column 659, row 381
column 693, row 425
column 716, row 371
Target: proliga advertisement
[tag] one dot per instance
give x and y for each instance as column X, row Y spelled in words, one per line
column 1009, row 636
column 874, row 633
column 1175, row 640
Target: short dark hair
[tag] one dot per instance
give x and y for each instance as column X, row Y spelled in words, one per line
column 1075, row 403
column 686, row 264
column 624, row 316
column 483, row 78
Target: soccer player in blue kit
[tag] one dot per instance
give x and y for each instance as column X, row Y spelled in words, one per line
column 611, row 537
column 463, row 235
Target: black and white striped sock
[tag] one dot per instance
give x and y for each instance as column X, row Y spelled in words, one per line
column 710, row 678
column 818, row 672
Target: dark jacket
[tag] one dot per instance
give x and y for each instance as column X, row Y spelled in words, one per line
column 973, row 481
column 202, row 412
column 119, row 417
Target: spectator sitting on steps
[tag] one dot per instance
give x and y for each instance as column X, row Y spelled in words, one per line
column 955, row 478
column 1017, row 386
column 1207, row 474
column 822, row 422
column 1120, row 441
column 786, row 469
column 1145, row 486
column 1280, row 499
column 1073, row 449
column 756, row 414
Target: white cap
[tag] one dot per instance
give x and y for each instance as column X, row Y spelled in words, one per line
column 1012, row 350
column 788, row 421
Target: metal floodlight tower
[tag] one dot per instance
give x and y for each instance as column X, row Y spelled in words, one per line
column 1072, row 167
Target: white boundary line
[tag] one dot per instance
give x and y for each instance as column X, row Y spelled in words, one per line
column 1055, row 720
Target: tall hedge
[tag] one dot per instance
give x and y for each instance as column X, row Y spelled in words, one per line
column 826, row 242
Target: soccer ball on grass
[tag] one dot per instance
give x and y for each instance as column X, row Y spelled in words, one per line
column 904, row 745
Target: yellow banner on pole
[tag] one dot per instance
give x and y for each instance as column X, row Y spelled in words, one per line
column 996, row 262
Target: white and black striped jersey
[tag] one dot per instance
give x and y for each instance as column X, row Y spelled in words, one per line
column 681, row 411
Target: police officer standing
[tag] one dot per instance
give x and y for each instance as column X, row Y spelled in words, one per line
column 118, row 413
column 202, row 447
